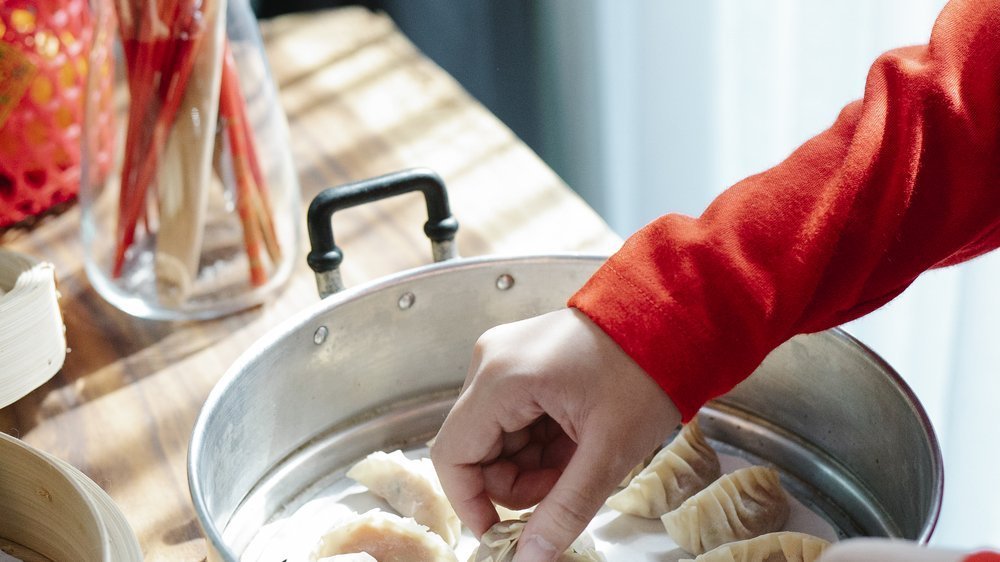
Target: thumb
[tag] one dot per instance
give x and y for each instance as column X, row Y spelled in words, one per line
column 590, row 476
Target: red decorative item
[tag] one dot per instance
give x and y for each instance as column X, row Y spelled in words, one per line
column 44, row 46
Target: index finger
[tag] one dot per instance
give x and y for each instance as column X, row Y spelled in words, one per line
column 464, row 442
column 563, row 514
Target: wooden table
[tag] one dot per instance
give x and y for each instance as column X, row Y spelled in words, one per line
column 361, row 101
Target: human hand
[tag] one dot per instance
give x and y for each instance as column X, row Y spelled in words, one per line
column 553, row 411
column 886, row 550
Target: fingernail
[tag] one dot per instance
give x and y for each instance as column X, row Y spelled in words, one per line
column 534, row 549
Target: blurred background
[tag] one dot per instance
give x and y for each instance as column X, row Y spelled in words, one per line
column 653, row 106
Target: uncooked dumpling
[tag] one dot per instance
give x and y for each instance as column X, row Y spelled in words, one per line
column 772, row 547
column 412, row 488
column 500, row 542
column 683, row 468
column 740, row 505
column 352, row 557
column 385, row 536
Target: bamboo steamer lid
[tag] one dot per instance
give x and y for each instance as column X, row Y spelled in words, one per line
column 51, row 511
column 32, row 337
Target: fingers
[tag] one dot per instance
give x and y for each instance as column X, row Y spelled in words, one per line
column 576, row 391
column 591, row 475
column 530, row 465
column 512, row 487
column 458, row 452
column 484, row 423
column 470, row 439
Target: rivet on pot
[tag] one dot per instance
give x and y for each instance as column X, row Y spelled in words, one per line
column 505, row 282
column 320, row 335
column 406, row 300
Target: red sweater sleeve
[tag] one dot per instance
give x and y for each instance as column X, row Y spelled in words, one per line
column 983, row 557
column 906, row 179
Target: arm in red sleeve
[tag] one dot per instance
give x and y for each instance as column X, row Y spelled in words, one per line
column 906, row 179
column 983, row 557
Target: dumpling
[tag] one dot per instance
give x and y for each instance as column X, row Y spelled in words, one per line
column 680, row 470
column 385, row 536
column 412, row 488
column 740, row 505
column 772, row 547
column 500, row 542
column 352, row 557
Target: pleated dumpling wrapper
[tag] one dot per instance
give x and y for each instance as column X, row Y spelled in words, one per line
column 352, row 557
column 412, row 488
column 783, row 546
column 387, row 537
column 680, row 470
column 500, row 542
column 740, row 505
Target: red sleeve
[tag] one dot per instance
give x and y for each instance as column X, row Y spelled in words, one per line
column 983, row 557
column 906, row 179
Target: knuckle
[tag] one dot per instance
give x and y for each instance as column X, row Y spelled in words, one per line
column 440, row 455
column 481, row 352
column 435, row 451
column 490, row 336
column 481, row 344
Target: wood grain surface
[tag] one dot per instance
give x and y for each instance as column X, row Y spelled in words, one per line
column 361, row 101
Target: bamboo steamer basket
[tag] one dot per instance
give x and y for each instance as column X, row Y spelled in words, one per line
column 32, row 339
column 49, row 510
column 53, row 512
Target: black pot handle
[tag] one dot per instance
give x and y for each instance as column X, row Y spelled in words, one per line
column 325, row 257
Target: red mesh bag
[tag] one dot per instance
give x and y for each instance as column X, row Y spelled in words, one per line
column 44, row 46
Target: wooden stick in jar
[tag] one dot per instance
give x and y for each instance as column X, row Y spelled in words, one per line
column 254, row 212
column 160, row 39
column 184, row 177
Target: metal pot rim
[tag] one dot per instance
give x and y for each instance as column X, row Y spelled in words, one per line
column 272, row 336
column 307, row 315
column 930, row 435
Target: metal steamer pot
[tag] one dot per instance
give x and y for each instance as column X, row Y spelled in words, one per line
column 377, row 367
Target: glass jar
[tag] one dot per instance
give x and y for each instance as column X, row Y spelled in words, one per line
column 195, row 215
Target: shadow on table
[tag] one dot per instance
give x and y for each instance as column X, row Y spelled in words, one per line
column 108, row 350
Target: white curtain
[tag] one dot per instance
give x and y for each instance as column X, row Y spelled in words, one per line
column 657, row 105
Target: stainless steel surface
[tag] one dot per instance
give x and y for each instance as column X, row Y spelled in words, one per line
column 822, row 407
column 828, row 391
column 444, row 250
column 329, row 282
